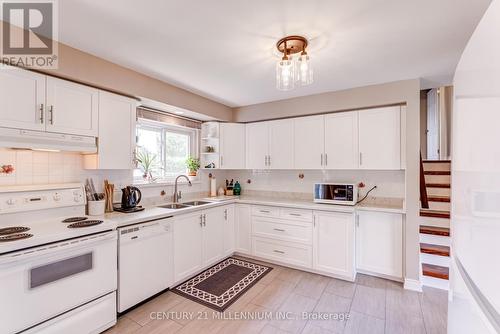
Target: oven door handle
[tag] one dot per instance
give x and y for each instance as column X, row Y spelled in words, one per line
column 57, row 247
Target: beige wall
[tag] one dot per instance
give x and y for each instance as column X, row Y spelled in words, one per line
column 408, row 92
column 85, row 68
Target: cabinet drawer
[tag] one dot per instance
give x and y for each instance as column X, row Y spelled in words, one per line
column 282, row 230
column 287, row 252
column 297, row 214
column 265, row 211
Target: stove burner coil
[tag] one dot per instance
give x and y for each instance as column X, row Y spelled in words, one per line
column 14, row 237
column 74, row 219
column 13, row 229
column 85, row 223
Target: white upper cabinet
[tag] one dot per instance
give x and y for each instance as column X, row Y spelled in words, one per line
column 71, row 108
column 309, row 142
column 22, row 99
column 232, row 146
column 341, row 140
column 257, row 143
column 116, row 143
column 380, row 138
column 281, row 146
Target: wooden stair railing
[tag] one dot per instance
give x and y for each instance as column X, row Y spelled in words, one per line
column 423, row 189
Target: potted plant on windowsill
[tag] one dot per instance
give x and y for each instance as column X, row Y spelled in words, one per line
column 147, row 163
column 192, row 164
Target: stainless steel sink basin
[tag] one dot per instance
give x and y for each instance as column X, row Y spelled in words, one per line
column 195, row 203
column 174, row 206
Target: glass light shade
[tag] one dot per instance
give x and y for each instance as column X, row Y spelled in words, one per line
column 285, row 74
column 304, row 71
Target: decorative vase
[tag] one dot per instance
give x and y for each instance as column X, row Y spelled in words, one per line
column 192, row 173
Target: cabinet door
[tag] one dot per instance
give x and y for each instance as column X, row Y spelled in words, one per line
column 333, row 243
column 257, row 145
column 22, row 99
column 341, row 140
column 116, row 140
column 281, row 144
column 379, row 243
column 232, row 148
column 72, row 108
column 380, row 138
column 213, row 235
column 309, row 142
column 187, row 245
column 243, row 229
column 229, row 230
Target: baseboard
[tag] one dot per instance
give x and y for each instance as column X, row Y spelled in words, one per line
column 413, row 284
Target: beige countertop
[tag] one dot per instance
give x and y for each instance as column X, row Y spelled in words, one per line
column 154, row 212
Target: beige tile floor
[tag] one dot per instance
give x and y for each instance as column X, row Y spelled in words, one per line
column 373, row 305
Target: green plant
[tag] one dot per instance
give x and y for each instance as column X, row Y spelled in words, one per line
column 193, row 164
column 147, row 161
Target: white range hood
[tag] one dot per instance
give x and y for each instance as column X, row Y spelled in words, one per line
column 38, row 140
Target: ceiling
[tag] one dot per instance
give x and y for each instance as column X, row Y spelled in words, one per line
column 224, row 49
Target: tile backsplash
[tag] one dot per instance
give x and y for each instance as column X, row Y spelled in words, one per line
column 38, row 167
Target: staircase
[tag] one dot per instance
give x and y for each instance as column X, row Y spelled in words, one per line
column 435, row 223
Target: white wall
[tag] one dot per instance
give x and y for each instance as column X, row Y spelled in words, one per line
column 389, row 183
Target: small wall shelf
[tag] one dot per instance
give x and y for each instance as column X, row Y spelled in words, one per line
column 210, row 136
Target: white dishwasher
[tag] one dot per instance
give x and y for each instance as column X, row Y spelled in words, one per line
column 145, row 258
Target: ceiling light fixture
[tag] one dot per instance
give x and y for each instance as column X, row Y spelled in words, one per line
column 290, row 71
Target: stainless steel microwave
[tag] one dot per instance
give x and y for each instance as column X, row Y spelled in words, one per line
column 336, row 193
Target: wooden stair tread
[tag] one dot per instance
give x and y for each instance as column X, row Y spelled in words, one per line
column 434, row 249
column 437, row 172
column 445, row 199
column 436, row 161
column 434, row 213
column 435, row 230
column 438, row 185
column 433, row 270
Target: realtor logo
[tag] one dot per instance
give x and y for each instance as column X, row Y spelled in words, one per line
column 28, row 33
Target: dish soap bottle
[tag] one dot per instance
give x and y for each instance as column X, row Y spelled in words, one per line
column 237, row 189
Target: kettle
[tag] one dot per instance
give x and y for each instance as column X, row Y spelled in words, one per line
column 131, row 196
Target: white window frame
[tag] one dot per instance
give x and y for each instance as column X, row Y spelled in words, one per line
column 193, row 144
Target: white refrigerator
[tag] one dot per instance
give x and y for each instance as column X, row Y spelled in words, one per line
column 474, row 300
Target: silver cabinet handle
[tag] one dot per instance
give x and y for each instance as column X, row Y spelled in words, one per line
column 314, row 220
column 221, row 161
column 201, row 220
column 321, row 159
column 41, row 113
column 326, row 159
column 51, row 113
column 204, row 220
column 278, row 251
column 269, row 160
column 279, row 230
column 357, row 220
column 360, row 158
column 265, row 211
column 225, row 214
column 295, row 214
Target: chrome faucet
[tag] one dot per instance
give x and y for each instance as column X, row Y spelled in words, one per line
column 177, row 195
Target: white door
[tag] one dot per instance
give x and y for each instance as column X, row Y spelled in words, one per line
column 213, row 235
column 22, row 99
column 333, row 243
column 232, row 146
column 379, row 243
column 187, row 245
column 281, row 144
column 341, row 140
column 72, row 108
column 243, row 228
column 257, row 145
column 309, row 142
column 116, row 140
column 433, row 125
column 229, row 230
column 380, row 138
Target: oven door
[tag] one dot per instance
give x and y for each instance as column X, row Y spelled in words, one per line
column 43, row 282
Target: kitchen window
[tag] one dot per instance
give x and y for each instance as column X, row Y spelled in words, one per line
column 162, row 150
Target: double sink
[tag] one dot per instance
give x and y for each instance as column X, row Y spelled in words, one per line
column 176, row 206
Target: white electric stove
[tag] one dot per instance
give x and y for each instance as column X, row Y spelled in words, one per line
column 58, row 267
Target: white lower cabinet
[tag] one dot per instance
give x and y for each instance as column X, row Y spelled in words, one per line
column 333, row 243
column 283, row 251
column 379, row 243
column 229, row 230
column 243, row 232
column 198, row 240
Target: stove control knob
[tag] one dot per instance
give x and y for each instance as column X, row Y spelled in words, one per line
column 11, row 201
column 57, row 197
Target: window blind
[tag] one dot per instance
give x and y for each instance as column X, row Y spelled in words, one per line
column 167, row 118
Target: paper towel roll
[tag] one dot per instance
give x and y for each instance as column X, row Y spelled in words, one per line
column 213, row 187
